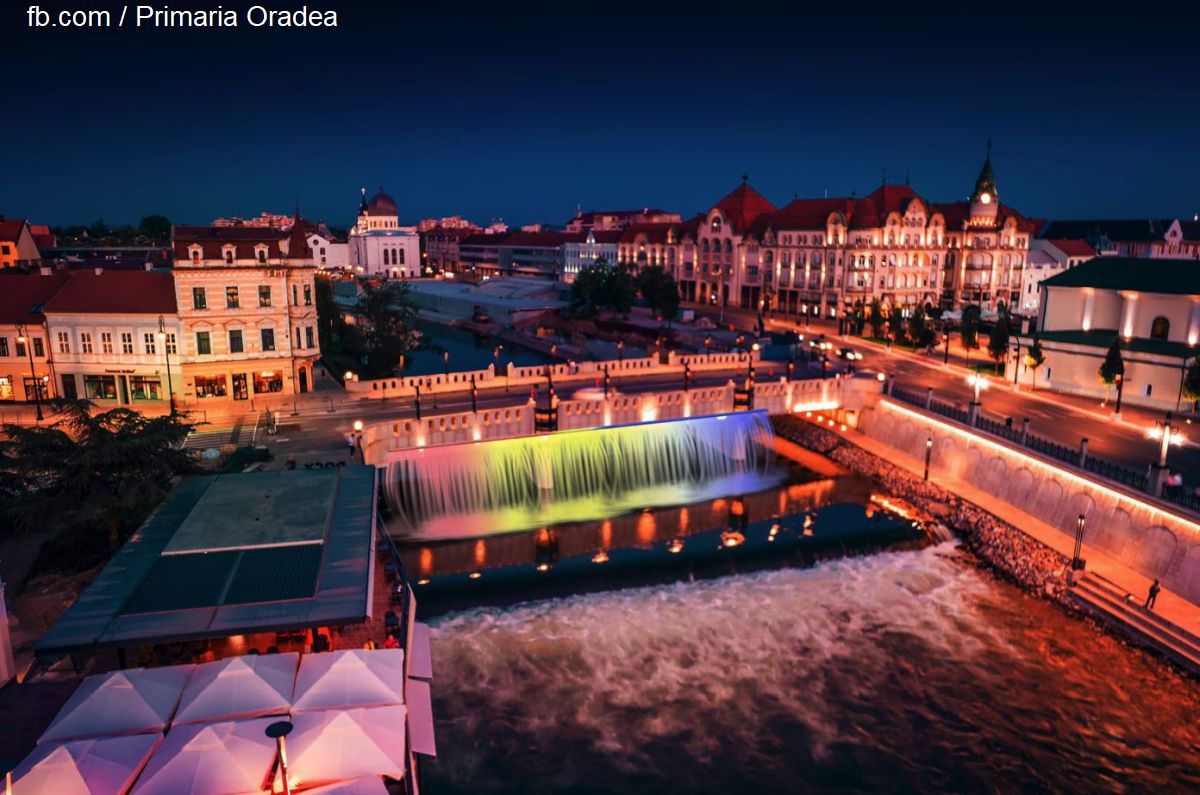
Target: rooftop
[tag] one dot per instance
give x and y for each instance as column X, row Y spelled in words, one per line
column 116, row 292
column 1103, row 339
column 1165, row 276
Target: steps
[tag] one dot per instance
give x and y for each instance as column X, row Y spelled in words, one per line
column 240, row 434
column 1110, row 602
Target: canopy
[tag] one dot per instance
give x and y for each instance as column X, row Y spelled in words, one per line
column 370, row 785
column 239, row 687
column 327, row 747
column 135, row 701
column 104, row 766
column 350, row 678
column 211, row 759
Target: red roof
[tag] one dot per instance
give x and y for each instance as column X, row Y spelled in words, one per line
column 1073, row 248
column 116, row 292
column 244, row 239
column 11, row 230
column 22, row 295
column 744, row 206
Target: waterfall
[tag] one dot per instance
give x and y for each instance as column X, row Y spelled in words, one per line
column 573, row 475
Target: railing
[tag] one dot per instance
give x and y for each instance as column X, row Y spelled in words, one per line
column 1185, row 499
column 1110, row 470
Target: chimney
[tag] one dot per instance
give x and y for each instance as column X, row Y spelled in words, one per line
column 44, row 270
column 99, row 271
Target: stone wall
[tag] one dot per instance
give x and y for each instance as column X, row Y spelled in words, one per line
column 1123, row 523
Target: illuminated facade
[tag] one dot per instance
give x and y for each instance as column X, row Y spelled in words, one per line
column 378, row 245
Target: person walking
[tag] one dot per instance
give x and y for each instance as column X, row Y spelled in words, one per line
column 1152, row 597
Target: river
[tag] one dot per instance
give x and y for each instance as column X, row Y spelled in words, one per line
column 903, row 671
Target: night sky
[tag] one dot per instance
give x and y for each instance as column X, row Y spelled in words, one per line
column 522, row 111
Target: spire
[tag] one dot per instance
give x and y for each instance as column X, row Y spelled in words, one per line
column 745, row 177
column 362, row 202
column 985, row 183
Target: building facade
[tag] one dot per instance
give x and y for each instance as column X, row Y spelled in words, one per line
column 247, row 312
column 1154, row 238
column 378, row 245
column 329, row 254
column 1048, row 258
column 616, row 220
column 26, row 362
column 18, row 245
column 584, row 249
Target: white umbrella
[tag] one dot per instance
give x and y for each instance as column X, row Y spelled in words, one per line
column 103, row 766
column 369, row 785
column 350, row 678
column 336, row 745
column 239, row 687
column 121, row 702
column 210, row 759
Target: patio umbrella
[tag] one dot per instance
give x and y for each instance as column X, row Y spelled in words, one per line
column 239, row 687
column 135, row 701
column 102, row 766
column 350, row 678
column 210, row 759
column 337, row 745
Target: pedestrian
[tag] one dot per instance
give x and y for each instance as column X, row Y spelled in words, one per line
column 1153, row 595
column 391, row 642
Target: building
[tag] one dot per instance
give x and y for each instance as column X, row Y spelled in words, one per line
column 616, row 220
column 328, row 254
column 446, row 222
column 1157, row 238
column 1048, row 258
column 671, row 245
column 1152, row 306
column 379, row 246
column 18, row 247
column 534, row 254
column 247, row 311
column 586, row 248
column 440, row 248
column 281, row 221
column 113, row 334
column 26, row 364
column 830, row 256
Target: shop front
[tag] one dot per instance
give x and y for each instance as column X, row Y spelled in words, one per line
column 121, row 387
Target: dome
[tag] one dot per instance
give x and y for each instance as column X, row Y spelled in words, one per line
column 381, row 204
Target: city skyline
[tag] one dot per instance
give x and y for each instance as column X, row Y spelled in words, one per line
column 501, row 111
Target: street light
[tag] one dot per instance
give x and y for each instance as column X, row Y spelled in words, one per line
column 621, row 351
column 1166, row 436
column 358, row 432
column 979, row 382
column 707, row 344
column 417, row 399
column 496, row 364
column 928, row 454
column 277, row 731
column 1016, row 361
column 446, row 362
column 1120, row 379
column 1077, row 562
column 162, row 340
column 474, row 396
column 23, row 338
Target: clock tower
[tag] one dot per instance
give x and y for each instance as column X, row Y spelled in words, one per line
column 985, row 203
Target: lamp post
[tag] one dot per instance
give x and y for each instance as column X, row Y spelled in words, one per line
column 162, row 339
column 687, row 376
column 606, row 381
column 358, row 433
column 446, row 362
column 980, row 383
column 474, row 396
column 946, row 338
column 24, row 339
column 1120, row 379
column 928, row 454
column 417, row 399
column 1166, row 435
column 496, row 364
column 621, row 352
column 277, row 731
column 1077, row 562
column 707, row 344
column 790, row 367
column 1016, row 362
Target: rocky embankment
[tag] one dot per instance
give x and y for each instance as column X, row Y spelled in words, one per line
column 1003, row 547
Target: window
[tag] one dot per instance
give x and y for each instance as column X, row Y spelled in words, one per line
column 308, row 337
column 148, row 341
column 210, row 386
column 20, row 348
column 401, row 252
column 3, row 346
column 295, row 296
column 100, row 387
column 262, row 255
column 171, row 342
column 126, row 342
column 231, row 297
column 235, row 340
column 268, row 381
column 106, row 341
column 268, row 340
column 85, row 342
column 264, row 295
column 39, row 348
column 229, row 257
column 1149, row 389
column 1160, row 328
column 203, row 343
column 308, row 295
column 199, row 299
column 144, row 387
column 64, row 342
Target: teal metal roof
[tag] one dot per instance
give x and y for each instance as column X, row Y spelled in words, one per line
column 144, row 596
column 1165, row 276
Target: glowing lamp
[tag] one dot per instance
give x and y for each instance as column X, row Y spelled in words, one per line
column 358, row 426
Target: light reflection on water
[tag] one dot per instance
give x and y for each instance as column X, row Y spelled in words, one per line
column 902, row 671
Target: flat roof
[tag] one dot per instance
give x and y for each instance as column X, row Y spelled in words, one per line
column 1165, row 276
column 232, row 555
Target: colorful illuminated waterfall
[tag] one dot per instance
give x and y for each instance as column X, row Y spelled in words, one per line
column 482, row 488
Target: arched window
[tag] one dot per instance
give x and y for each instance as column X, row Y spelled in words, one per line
column 728, row 246
column 770, row 257
column 262, row 255
column 1160, row 328
column 716, row 223
column 704, row 246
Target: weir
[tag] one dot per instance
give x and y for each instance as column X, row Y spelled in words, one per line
column 514, row 484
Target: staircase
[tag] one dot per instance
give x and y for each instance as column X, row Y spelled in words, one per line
column 240, row 434
column 1109, row 602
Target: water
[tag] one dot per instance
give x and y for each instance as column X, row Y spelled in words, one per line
column 467, row 352
column 900, row 672
column 505, row 485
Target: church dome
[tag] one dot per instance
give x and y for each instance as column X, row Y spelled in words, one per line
column 381, row 204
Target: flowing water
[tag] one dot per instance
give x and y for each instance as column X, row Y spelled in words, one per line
column 903, row 671
column 469, row 490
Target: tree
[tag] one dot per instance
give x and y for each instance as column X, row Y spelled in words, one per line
column 1191, row 382
column 602, row 286
column 920, row 333
column 876, row 319
column 1113, row 365
column 999, row 337
column 156, row 229
column 389, row 325
column 90, row 477
column 968, row 329
column 1034, row 358
column 659, row 290
column 330, row 325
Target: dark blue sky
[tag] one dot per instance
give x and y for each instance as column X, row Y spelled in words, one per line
column 524, row 110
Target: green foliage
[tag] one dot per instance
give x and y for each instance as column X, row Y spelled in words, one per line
column 152, row 230
column 89, row 477
column 1034, row 358
column 155, row 229
column 330, row 326
column 387, row 325
column 602, row 286
column 1113, row 365
column 918, row 330
column 1191, row 382
column 876, row 319
column 660, row 290
column 999, row 338
column 969, row 328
